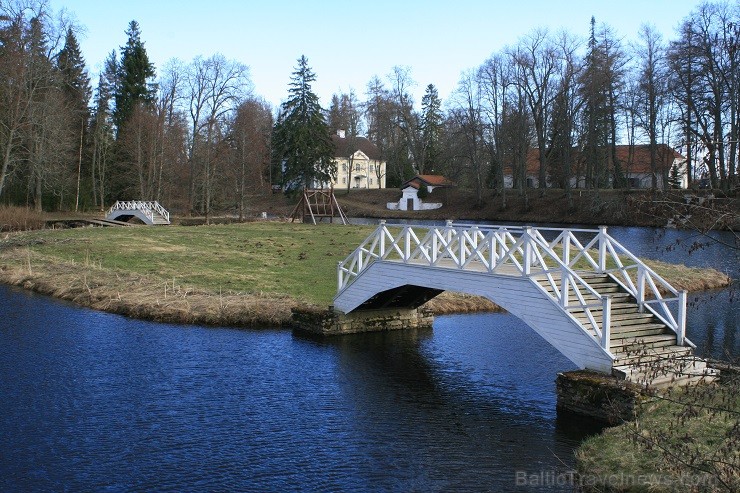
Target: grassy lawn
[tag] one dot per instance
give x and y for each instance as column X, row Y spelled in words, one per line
column 266, row 258
column 261, row 258
column 688, row 438
column 236, row 274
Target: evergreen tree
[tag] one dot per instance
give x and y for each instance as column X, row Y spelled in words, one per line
column 102, row 131
column 75, row 85
column 593, row 85
column 75, row 81
column 431, row 128
column 301, row 142
column 135, row 74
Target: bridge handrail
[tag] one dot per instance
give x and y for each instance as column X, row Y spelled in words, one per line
column 647, row 287
column 496, row 247
column 146, row 207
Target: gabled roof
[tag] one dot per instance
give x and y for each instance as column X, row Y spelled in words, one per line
column 346, row 146
column 428, row 180
column 637, row 162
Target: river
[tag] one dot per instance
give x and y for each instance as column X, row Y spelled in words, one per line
column 98, row 402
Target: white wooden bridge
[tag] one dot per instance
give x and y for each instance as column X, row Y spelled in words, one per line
column 580, row 289
column 149, row 212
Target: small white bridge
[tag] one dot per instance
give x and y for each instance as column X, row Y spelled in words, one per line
column 149, row 212
column 582, row 291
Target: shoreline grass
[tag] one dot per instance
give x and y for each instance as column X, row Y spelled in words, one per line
column 247, row 274
column 682, row 440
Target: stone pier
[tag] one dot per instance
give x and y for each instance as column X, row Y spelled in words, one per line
column 598, row 395
column 332, row 322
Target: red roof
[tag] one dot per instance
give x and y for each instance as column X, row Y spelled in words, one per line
column 633, row 159
column 428, row 180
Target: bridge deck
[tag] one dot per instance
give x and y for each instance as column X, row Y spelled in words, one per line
column 593, row 300
column 149, row 212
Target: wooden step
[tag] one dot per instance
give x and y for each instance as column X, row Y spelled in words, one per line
column 621, row 317
column 645, row 355
column 617, row 308
column 646, row 341
column 639, row 331
column 667, row 372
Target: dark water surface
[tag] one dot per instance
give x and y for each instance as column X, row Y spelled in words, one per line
column 97, row 402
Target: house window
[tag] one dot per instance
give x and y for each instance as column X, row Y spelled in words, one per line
column 372, row 168
column 371, row 181
column 357, row 166
column 344, row 167
column 344, row 180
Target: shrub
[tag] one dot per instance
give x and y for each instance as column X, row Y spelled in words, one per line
column 13, row 218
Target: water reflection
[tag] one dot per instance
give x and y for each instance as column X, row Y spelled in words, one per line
column 94, row 401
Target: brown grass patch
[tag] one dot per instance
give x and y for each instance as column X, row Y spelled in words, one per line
column 14, row 218
column 141, row 296
column 689, row 278
column 452, row 302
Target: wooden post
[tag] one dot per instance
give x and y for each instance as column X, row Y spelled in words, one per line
column 566, row 248
column 681, row 329
column 435, row 247
column 641, row 287
column 381, row 231
column 606, row 323
column 527, row 260
column 461, row 244
column 602, row 249
column 407, row 246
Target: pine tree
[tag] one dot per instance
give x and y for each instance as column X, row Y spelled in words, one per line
column 593, row 86
column 75, row 85
column 75, row 81
column 301, row 142
column 431, row 128
column 135, row 74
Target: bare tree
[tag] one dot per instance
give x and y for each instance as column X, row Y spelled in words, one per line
column 652, row 92
column 566, row 106
column 495, row 79
column 251, row 131
column 406, row 119
column 537, row 60
column 345, row 119
column 467, row 117
column 216, row 87
column 380, row 131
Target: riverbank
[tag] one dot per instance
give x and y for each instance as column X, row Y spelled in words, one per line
column 685, row 439
column 689, row 209
column 246, row 275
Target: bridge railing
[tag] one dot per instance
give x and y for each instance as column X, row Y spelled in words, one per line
column 146, row 207
column 525, row 251
column 604, row 254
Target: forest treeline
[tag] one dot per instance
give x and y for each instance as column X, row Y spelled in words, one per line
column 195, row 136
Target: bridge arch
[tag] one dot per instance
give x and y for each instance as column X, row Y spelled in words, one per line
column 148, row 212
column 563, row 288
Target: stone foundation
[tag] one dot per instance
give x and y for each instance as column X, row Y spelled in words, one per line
column 331, row 322
column 598, row 395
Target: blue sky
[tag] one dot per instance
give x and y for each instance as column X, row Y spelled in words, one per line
column 348, row 42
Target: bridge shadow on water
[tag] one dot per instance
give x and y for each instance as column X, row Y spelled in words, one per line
column 477, row 389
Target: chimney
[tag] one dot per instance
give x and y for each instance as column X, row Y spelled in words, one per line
column 340, row 133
